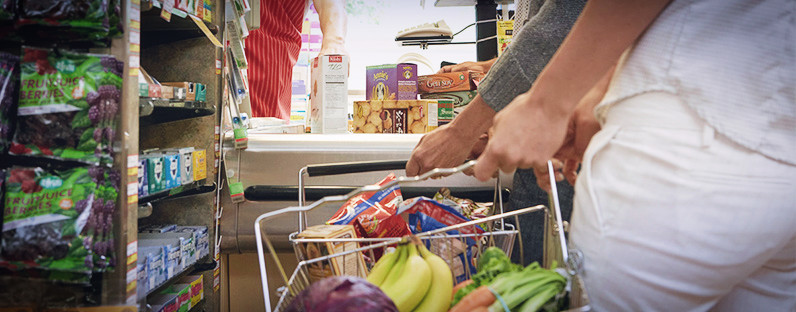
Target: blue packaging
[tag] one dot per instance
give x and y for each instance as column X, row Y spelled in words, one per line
column 143, row 181
column 171, row 166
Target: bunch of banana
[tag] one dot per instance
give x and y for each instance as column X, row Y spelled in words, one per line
column 414, row 278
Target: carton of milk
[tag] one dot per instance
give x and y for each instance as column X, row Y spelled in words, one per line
column 155, row 174
column 329, row 94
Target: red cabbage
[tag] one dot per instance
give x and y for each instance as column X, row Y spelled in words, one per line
column 341, row 294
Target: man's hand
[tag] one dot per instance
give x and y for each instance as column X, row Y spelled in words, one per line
column 473, row 66
column 524, row 135
column 445, row 147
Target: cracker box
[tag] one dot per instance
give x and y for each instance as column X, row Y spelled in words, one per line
column 448, row 82
column 155, row 174
column 171, row 165
column 391, row 82
column 329, row 94
column 199, row 164
column 351, row 264
column 414, row 116
column 143, row 181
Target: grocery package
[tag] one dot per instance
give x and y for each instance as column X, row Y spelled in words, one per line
column 186, row 164
column 101, row 218
column 199, row 164
column 448, row 82
column 505, row 32
column 410, row 116
column 200, row 238
column 445, row 111
column 460, row 98
column 155, row 175
column 69, row 20
column 67, row 105
column 171, row 168
column 182, row 292
column 329, row 94
column 373, row 214
column 47, row 219
column 143, row 177
column 9, row 80
column 197, row 288
column 531, row 288
column 352, row 264
column 414, row 278
column 391, row 82
column 193, row 91
column 341, row 294
column 466, row 207
column 153, row 259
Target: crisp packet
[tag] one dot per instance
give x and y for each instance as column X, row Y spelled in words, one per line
column 441, row 213
column 373, row 214
column 468, row 208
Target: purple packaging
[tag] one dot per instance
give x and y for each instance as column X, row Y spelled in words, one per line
column 143, row 178
column 391, row 82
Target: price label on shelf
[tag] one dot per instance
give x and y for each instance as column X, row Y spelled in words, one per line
column 236, row 192
column 241, row 138
column 168, row 7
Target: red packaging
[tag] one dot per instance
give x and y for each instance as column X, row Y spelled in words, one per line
column 373, row 214
column 439, row 212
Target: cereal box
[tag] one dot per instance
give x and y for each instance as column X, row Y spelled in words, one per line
column 411, row 116
column 391, row 82
column 199, row 164
column 329, row 94
column 447, row 82
column 351, row 264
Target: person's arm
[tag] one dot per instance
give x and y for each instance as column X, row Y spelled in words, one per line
column 465, row 66
column 533, row 127
column 334, row 24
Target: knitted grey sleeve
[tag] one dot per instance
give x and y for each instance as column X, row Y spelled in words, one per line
column 532, row 47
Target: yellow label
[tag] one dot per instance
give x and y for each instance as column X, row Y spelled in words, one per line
column 199, row 165
column 206, row 31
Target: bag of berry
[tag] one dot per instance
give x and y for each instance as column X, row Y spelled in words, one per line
column 9, row 79
column 64, row 20
column 45, row 219
column 68, row 105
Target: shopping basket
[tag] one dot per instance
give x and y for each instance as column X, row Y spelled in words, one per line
column 499, row 233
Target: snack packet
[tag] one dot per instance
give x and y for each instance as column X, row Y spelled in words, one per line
column 443, row 214
column 470, row 209
column 373, row 214
column 45, row 218
column 67, row 20
column 9, row 79
column 68, row 105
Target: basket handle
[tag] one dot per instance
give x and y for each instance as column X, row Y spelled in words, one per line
column 354, row 167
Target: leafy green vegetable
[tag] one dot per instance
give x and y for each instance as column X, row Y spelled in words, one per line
column 492, row 263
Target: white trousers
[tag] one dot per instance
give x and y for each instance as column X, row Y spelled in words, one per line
column 672, row 216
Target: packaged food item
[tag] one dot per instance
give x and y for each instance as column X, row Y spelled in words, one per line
column 47, row 219
column 199, row 164
column 68, row 104
column 157, row 178
column 505, row 32
column 329, row 94
column 98, row 229
column 444, row 111
column 186, row 165
column 411, row 116
column 374, row 212
column 66, row 20
column 470, row 209
column 351, row 264
column 9, row 80
column 197, row 289
column 460, row 98
column 143, row 177
column 163, row 303
column 171, row 166
column 189, row 87
column 183, row 294
column 443, row 214
column 448, row 82
column 200, row 238
column 201, row 92
column 391, row 82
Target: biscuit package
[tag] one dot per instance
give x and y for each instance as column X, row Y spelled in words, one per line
column 412, row 116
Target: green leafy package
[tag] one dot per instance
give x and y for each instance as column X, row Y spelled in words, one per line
column 68, row 20
column 45, row 219
column 68, row 105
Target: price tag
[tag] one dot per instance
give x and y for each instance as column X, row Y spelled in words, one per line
column 241, row 138
column 236, row 192
column 168, row 7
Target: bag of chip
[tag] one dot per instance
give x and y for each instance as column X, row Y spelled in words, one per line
column 45, row 219
column 9, row 79
column 373, row 214
column 68, row 105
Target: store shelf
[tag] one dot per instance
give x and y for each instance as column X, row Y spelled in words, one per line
column 197, row 266
column 195, row 188
column 155, row 111
column 155, row 30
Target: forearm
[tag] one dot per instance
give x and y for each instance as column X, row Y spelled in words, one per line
column 334, row 22
column 475, row 119
column 604, row 30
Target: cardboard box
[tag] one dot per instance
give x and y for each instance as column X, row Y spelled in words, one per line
column 186, row 164
column 197, row 288
column 391, row 82
column 199, row 164
column 164, row 303
column 190, row 90
column 460, row 98
column 415, row 116
column 167, row 92
column 171, row 166
column 155, row 174
column 448, row 82
column 183, row 294
column 201, row 92
column 445, row 111
column 148, row 86
column 329, row 94
column 352, row 264
column 143, row 181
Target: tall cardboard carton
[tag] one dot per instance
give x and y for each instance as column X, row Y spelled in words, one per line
column 329, row 94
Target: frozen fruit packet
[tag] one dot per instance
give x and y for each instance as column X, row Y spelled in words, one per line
column 9, row 79
column 68, row 105
column 65, row 20
column 45, row 218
